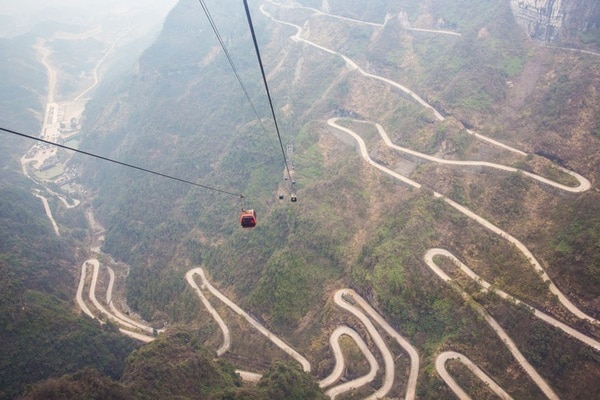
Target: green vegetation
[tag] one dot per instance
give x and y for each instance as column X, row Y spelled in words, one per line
column 468, row 75
column 478, row 101
column 84, row 384
column 353, row 226
column 549, row 350
column 596, row 127
column 390, row 265
column 286, row 381
column 24, row 81
column 591, row 36
column 513, row 66
column 176, row 366
column 41, row 337
column 575, row 246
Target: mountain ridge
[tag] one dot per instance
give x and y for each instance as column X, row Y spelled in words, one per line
column 354, row 225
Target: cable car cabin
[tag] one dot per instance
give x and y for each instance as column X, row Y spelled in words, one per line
column 248, row 219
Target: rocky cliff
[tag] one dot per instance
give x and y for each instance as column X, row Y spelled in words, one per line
column 556, row 20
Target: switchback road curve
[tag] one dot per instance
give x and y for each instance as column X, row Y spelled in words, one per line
column 482, row 221
column 584, row 183
column 346, row 299
column 508, row 342
column 126, row 325
column 340, row 365
column 259, row 327
column 431, row 253
column 440, row 367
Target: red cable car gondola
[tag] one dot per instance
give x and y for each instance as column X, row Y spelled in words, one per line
column 248, row 219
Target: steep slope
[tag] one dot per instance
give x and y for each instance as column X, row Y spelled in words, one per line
column 42, row 335
column 24, row 84
column 185, row 108
column 564, row 21
column 354, row 225
column 176, row 366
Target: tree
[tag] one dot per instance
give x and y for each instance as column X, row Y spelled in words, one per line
column 287, row 381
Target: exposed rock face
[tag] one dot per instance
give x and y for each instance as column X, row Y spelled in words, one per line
column 554, row 20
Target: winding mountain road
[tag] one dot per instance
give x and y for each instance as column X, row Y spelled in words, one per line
column 411, row 385
column 440, row 367
column 358, row 307
column 126, row 325
column 431, row 253
column 364, row 312
column 92, row 296
column 50, row 123
column 254, row 323
column 118, row 314
column 388, row 359
column 319, row 12
column 360, row 22
column 583, row 185
column 508, row 342
column 350, row 301
column 482, row 221
column 340, row 365
column 79, row 294
column 189, row 276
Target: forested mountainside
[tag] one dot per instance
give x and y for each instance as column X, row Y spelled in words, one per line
column 151, row 373
column 376, row 223
column 19, row 93
column 41, row 334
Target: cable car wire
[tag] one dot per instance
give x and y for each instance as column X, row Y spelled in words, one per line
column 239, row 79
column 122, row 163
column 231, row 63
column 262, row 70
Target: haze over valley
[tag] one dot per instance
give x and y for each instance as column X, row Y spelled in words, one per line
column 445, row 155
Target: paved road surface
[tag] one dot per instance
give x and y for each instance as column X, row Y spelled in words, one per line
column 411, row 385
column 440, row 367
column 189, row 276
column 132, row 326
column 482, row 221
column 340, row 365
column 268, row 334
column 48, row 212
column 584, row 183
column 512, row 347
column 431, row 253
